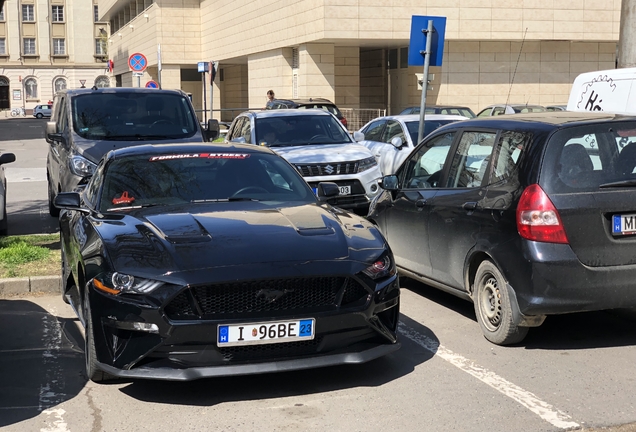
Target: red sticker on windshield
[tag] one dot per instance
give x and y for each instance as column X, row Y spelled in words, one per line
column 123, row 199
column 201, row 155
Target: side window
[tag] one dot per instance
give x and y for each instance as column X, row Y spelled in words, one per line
column 62, row 119
column 235, row 129
column 468, row 167
column 373, row 132
column 498, row 111
column 92, row 188
column 511, row 147
column 484, row 113
column 246, row 130
column 393, row 129
column 424, row 167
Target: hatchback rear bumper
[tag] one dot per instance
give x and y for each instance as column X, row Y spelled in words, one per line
column 552, row 280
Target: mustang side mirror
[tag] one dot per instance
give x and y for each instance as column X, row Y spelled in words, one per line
column 397, row 142
column 390, row 183
column 212, row 132
column 327, row 190
column 69, row 201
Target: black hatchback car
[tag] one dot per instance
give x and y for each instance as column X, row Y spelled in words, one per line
column 526, row 216
column 186, row 261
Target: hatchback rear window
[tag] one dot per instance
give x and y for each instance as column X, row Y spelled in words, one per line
column 582, row 159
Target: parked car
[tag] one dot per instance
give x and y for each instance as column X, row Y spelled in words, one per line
column 311, row 103
column 41, row 111
column 226, row 263
column 391, row 139
column 441, row 109
column 320, row 148
column 556, row 108
column 5, row 158
column 495, row 110
column 87, row 123
column 526, row 216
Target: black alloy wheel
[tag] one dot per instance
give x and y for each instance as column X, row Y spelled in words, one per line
column 92, row 372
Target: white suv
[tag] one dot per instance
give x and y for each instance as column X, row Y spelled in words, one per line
column 318, row 146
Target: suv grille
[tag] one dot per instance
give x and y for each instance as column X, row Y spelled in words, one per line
column 327, row 169
column 298, row 295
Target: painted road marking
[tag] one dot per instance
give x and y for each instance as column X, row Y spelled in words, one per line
column 544, row 410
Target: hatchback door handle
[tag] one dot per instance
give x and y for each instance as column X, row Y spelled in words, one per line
column 469, row 206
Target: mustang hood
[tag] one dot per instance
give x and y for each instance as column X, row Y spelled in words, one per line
column 323, row 153
column 198, row 239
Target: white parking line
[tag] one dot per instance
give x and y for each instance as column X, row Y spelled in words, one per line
column 544, row 410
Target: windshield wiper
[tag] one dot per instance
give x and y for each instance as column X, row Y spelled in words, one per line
column 622, row 183
column 133, row 207
column 231, row 199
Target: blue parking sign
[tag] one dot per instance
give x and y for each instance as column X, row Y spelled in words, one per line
column 417, row 42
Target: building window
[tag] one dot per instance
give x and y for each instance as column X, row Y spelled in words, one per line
column 59, row 84
column 3, row 46
column 102, row 81
column 58, row 13
column 29, row 46
column 2, row 13
column 100, row 46
column 31, row 88
column 95, row 13
column 28, row 13
column 59, row 47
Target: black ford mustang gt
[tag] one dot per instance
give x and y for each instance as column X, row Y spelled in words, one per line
column 189, row 261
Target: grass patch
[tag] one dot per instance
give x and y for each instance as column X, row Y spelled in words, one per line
column 30, row 255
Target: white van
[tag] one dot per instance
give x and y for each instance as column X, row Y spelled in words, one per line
column 611, row 90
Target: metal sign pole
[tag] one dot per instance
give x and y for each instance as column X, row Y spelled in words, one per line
column 205, row 100
column 427, row 57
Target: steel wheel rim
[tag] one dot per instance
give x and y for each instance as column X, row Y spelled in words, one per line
column 490, row 302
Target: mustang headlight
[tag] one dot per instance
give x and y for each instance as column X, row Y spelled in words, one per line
column 367, row 163
column 382, row 267
column 116, row 283
column 80, row 166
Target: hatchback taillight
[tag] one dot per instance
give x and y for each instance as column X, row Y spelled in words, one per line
column 537, row 218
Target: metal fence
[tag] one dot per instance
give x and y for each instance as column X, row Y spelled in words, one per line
column 356, row 117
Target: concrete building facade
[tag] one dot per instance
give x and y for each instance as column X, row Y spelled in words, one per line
column 354, row 52
column 47, row 45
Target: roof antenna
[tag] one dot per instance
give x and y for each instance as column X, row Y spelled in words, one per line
column 515, row 72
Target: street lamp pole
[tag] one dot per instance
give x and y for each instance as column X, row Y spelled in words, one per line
column 627, row 35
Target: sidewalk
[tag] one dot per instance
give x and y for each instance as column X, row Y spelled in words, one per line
column 11, row 287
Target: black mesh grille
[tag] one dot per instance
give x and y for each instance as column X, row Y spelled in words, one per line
column 270, row 351
column 304, row 295
column 327, row 169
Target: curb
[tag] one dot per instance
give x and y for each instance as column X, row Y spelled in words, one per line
column 10, row 287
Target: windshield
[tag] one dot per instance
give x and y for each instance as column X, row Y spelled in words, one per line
column 199, row 178
column 300, row 129
column 130, row 116
column 429, row 126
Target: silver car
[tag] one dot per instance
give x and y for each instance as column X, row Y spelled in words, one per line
column 41, row 111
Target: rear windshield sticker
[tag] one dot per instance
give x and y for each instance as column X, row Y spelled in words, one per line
column 201, row 155
column 123, row 199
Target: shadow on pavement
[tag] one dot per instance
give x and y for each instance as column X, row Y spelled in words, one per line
column 41, row 360
column 213, row 391
column 583, row 330
column 31, row 219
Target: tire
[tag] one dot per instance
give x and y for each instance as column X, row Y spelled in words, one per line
column 39, row 115
column 492, row 307
column 4, row 223
column 92, row 372
column 13, row 113
column 53, row 211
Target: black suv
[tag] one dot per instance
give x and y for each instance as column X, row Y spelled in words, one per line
column 526, row 216
column 320, row 103
column 87, row 123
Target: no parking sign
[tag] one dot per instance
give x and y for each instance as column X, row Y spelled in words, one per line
column 152, row 84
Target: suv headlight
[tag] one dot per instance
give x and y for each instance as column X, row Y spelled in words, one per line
column 80, row 166
column 116, row 283
column 367, row 163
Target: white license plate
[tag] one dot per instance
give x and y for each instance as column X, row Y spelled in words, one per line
column 624, row 224
column 266, row 332
column 344, row 190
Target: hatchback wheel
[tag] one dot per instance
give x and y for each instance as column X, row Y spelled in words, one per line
column 53, row 211
column 39, row 115
column 492, row 307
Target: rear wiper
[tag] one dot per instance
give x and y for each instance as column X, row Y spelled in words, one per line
column 622, row 183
